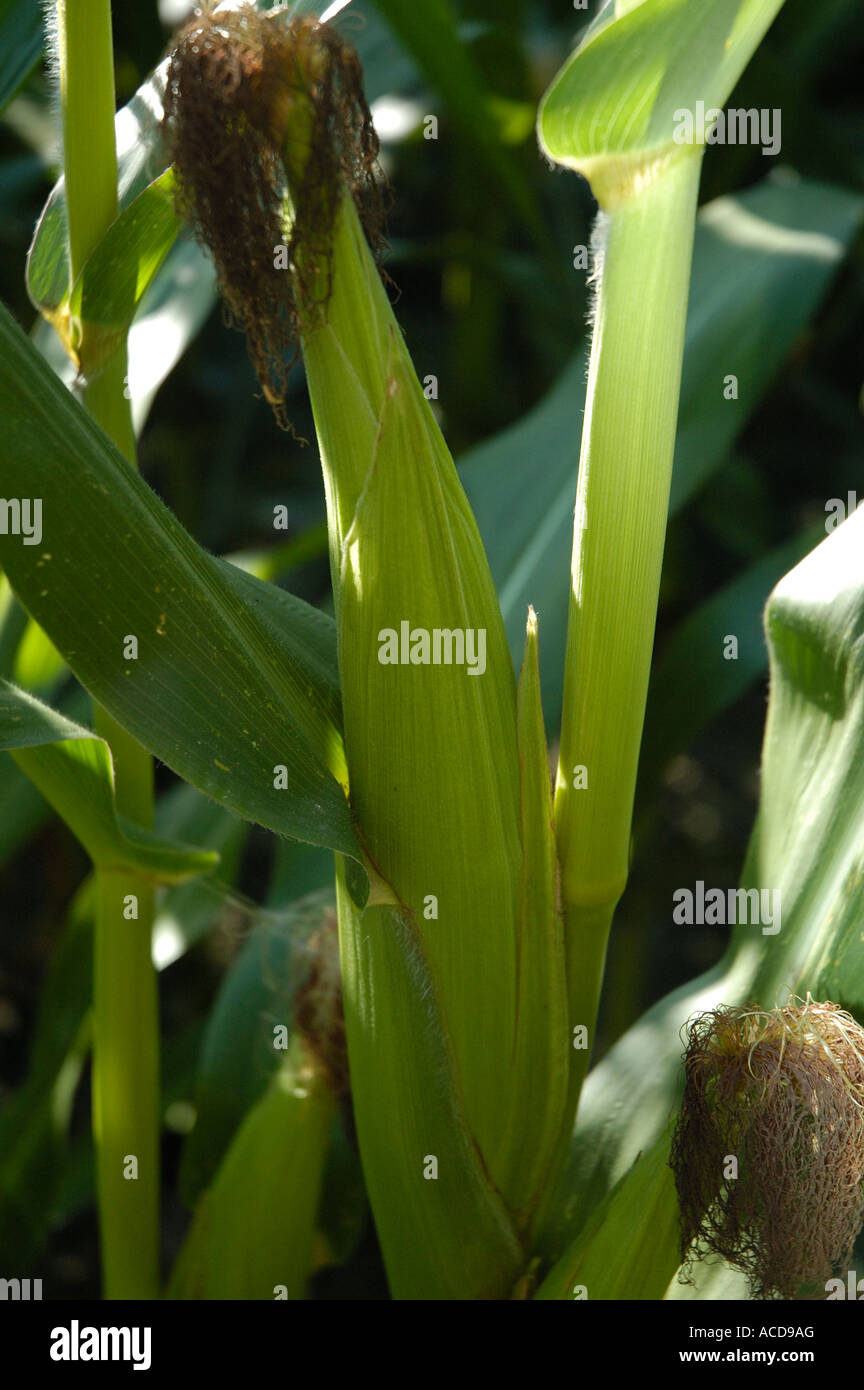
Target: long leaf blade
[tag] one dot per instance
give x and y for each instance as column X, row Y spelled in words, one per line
column 234, row 686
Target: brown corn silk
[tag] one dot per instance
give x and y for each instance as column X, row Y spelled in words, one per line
column 318, row 1013
column 258, row 107
column 782, row 1091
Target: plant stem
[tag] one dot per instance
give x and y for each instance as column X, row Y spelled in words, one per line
column 126, row 1088
column 87, row 96
column 621, row 506
column 125, row 1083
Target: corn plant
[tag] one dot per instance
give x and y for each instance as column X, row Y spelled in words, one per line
column 436, row 1043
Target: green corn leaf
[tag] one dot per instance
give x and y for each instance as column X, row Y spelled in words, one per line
column 613, row 114
column 629, row 1247
column 110, row 287
column 805, row 847
column 776, row 245
column 405, row 549
column 298, row 870
column 13, row 621
column 72, row 768
column 444, row 1230
column 23, row 809
column 182, row 293
column 433, row 759
column 343, row 1211
column 613, row 110
column 235, row 680
column 239, row 1056
column 107, row 293
column 183, row 290
column 763, row 260
column 38, row 665
column 530, row 1141
column 430, row 985
column 140, row 161
column 252, row 1235
column 525, row 516
column 171, row 311
column 628, row 1097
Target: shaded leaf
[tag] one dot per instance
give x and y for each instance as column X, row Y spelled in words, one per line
column 252, row 1234
column 629, row 1247
column 72, row 768
column 239, row 1054
column 234, row 678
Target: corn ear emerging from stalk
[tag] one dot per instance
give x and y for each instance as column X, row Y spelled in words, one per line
column 452, row 955
column 780, row 1092
column 258, row 109
column 253, row 1232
